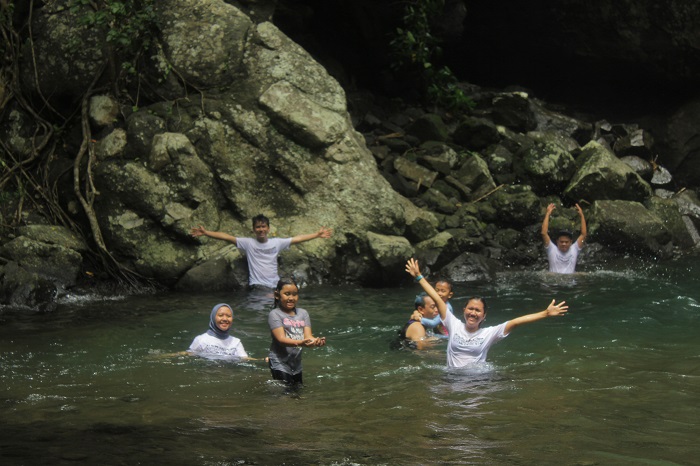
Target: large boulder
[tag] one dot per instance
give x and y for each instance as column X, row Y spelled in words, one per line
column 515, row 206
column 390, row 253
column 60, row 59
column 279, row 143
column 302, row 119
column 225, row 271
column 628, row 226
column 420, row 224
column 272, row 58
column 469, row 267
column 668, row 211
column 512, row 109
column 437, row 251
column 429, row 127
column 547, row 166
column 215, row 58
column 476, row 133
column 474, row 173
column 603, row 176
column 689, row 207
column 40, row 264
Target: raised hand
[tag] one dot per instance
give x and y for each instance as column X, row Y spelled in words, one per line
column 412, row 267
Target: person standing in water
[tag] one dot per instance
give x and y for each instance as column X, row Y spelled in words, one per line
column 468, row 342
column 290, row 327
column 261, row 251
column 563, row 254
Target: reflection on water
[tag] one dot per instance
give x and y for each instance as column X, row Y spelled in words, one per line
column 613, row 382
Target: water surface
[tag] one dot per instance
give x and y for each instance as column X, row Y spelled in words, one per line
column 614, row 382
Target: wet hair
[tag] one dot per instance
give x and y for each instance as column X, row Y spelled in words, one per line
column 476, row 298
column 281, row 284
column 261, row 218
column 420, row 300
column 565, row 233
column 445, row 281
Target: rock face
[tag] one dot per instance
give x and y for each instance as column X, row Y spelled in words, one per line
column 629, row 227
column 38, row 265
column 632, row 57
column 603, row 176
column 279, row 142
column 67, row 57
column 245, row 122
column 502, row 221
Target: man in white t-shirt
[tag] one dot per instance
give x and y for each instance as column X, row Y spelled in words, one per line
column 563, row 252
column 261, row 251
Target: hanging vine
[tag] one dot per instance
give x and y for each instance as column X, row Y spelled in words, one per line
column 25, row 180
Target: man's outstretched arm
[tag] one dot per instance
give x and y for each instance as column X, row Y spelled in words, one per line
column 323, row 232
column 200, row 231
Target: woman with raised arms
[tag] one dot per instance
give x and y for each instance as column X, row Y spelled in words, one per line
column 468, row 342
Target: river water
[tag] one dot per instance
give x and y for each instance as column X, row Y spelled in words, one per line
column 616, row 381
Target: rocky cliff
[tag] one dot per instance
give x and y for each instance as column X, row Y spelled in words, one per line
column 223, row 117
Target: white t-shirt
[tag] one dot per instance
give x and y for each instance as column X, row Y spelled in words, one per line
column 560, row 262
column 465, row 347
column 262, row 259
column 209, row 346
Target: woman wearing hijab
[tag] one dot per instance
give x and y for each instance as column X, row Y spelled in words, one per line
column 216, row 342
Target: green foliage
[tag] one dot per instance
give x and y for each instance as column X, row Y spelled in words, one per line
column 414, row 44
column 443, row 89
column 415, row 49
column 129, row 25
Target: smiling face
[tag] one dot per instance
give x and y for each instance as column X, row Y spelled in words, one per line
column 287, row 297
column 261, row 230
column 474, row 314
column 223, row 318
column 444, row 290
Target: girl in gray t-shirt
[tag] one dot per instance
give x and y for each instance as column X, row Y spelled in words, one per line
column 291, row 331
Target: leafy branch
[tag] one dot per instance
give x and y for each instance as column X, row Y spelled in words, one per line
column 415, row 49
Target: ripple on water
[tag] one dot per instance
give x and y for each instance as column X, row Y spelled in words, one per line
column 617, row 374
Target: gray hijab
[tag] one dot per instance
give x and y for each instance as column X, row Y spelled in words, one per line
column 213, row 329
